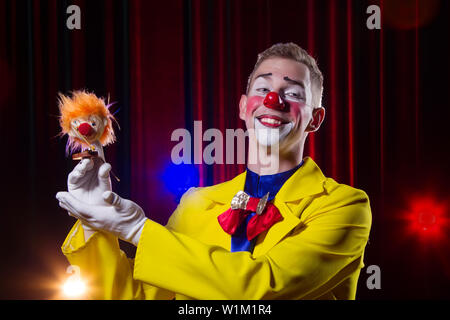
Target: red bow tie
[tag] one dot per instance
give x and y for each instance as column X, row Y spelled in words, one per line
column 241, row 206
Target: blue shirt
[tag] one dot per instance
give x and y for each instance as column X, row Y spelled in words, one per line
column 258, row 186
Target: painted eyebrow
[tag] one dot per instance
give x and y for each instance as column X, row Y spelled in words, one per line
column 287, row 79
column 300, row 83
column 263, row 75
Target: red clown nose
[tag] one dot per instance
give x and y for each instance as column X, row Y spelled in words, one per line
column 273, row 101
column 85, row 129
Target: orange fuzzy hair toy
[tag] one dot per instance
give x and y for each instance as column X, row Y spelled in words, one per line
column 86, row 120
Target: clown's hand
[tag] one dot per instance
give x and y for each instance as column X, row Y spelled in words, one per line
column 88, row 181
column 121, row 217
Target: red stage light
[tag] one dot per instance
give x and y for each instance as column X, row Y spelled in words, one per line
column 426, row 217
column 427, row 220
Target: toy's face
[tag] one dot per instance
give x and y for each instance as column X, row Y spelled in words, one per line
column 89, row 127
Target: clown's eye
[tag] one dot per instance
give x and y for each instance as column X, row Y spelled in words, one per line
column 263, row 90
column 93, row 123
column 294, row 95
column 75, row 122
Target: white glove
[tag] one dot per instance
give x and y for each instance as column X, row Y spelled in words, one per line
column 87, row 182
column 121, row 217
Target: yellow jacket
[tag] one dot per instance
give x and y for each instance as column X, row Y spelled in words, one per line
column 315, row 252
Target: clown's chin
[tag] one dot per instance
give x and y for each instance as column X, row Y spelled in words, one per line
column 267, row 136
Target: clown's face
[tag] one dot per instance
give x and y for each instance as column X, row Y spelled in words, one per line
column 288, row 120
column 90, row 127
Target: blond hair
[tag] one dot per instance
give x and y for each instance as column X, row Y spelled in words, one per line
column 294, row 52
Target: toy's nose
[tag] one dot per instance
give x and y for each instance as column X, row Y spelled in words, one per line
column 85, row 129
column 273, row 101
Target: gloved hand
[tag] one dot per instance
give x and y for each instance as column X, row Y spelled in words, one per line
column 87, row 182
column 121, row 217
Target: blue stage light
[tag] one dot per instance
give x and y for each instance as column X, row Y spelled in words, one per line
column 178, row 178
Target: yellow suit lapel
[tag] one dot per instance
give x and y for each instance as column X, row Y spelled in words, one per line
column 306, row 181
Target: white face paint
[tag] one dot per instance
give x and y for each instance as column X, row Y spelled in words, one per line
column 97, row 124
column 271, row 136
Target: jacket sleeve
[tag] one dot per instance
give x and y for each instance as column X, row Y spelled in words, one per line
column 105, row 268
column 325, row 249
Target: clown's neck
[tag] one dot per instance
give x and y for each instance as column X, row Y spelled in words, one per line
column 269, row 160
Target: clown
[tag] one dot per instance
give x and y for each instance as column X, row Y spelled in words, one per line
column 273, row 232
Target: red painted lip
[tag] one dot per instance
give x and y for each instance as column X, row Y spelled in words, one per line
column 272, row 125
column 272, row 117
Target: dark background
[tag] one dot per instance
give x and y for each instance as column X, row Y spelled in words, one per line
column 168, row 63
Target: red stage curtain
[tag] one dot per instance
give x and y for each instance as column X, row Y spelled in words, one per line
column 169, row 63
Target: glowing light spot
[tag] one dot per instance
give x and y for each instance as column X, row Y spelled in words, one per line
column 426, row 220
column 179, row 178
column 74, row 288
column 426, row 217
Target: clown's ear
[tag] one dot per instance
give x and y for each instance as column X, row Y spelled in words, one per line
column 105, row 122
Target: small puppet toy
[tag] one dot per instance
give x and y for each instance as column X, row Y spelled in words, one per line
column 87, row 121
